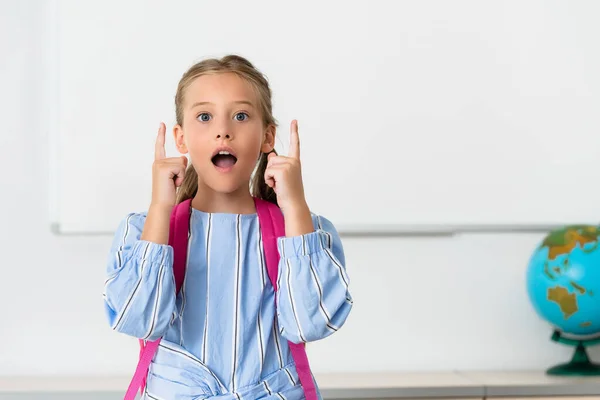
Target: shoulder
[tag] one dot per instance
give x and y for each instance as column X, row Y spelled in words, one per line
column 134, row 218
column 328, row 235
column 326, row 229
column 131, row 222
column 322, row 223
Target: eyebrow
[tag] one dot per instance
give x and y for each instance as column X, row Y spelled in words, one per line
column 203, row 103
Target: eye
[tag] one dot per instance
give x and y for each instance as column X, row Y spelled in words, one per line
column 204, row 117
column 241, row 116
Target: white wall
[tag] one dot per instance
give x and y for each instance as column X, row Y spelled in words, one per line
column 420, row 303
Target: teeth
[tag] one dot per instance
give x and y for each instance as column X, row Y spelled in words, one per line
column 224, row 153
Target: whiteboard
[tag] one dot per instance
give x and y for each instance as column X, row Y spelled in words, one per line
column 412, row 113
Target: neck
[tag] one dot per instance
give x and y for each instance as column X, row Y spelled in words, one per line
column 239, row 201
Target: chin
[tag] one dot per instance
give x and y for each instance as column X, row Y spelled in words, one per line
column 225, row 186
column 226, row 183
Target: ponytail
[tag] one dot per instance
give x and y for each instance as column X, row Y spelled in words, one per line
column 258, row 186
column 189, row 187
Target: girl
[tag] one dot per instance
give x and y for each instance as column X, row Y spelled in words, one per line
column 222, row 335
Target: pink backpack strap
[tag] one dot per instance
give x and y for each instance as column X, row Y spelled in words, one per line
column 272, row 226
column 178, row 239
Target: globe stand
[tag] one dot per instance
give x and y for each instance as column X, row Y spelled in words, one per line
column 580, row 364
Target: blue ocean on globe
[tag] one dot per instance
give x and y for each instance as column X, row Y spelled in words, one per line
column 563, row 280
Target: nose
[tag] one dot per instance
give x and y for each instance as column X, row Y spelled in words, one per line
column 224, row 129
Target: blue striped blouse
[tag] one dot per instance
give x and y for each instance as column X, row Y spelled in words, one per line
column 222, row 336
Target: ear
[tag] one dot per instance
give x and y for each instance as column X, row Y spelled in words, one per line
column 179, row 139
column 268, row 143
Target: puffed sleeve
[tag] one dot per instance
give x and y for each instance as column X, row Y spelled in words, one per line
column 139, row 290
column 313, row 297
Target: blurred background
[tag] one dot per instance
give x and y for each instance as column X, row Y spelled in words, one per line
column 443, row 138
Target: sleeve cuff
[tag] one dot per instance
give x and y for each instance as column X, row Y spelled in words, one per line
column 303, row 245
column 151, row 251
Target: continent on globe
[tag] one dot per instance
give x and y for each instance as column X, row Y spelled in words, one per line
column 578, row 287
column 562, row 241
column 565, row 300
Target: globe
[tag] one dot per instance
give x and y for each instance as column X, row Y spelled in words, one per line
column 563, row 284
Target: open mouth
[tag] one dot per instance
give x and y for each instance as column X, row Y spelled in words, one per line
column 224, row 159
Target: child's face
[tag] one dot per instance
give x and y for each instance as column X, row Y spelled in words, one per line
column 222, row 111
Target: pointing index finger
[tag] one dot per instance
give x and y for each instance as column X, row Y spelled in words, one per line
column 294, row 141
column 159, row 149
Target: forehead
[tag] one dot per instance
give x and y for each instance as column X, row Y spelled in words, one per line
column 220, row 88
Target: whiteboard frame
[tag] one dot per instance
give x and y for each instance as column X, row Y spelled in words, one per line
column 382, row 231
column 51, row 88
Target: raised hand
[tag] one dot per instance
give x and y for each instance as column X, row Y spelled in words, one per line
column 284, row 175
column 167, row 172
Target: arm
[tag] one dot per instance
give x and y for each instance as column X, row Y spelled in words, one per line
column 313, row 297
column 139, row 291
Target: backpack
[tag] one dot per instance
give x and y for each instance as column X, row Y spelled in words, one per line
column 271, row 226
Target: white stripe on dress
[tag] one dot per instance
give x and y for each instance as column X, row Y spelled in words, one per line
column 268, row 388
column 341, row 269
column 263, row 280
column 161, row 274
column 126, row 232
column 187, row 264
column 282, row 251
column 276, row 323
column 327, row 234
column 208, row 245
column 292, row 302
column 343, row 274
column 134, row 291
column 304, row 249
column 237, row 301
column 277, row 332
column 112, row 276
column 320, row 289
column 276, row 335
column 290, row 376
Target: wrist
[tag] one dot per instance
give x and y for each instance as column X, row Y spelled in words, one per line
column 160, row 208
column 298, row 220
column 296, row 209
column 156, row 226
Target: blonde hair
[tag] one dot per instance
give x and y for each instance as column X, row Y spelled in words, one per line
column 244, row 69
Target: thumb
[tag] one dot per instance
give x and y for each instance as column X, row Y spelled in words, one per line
column 179, row 177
